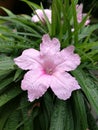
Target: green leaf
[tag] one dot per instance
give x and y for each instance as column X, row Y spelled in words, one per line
column 27, row 119
column 75, row 21
column 91, row 120
column 6, row 63
column 89, row 87
column 48, row 104
column 6, row 111
column 32, row 4
column 5, row 82
column 62, row 116
column 12, row 121
column 29, row 112
column 80, row 111
column 56, row 17
column 17, row 74
column 87, row 46
column 4, row 73
column 9, row 94
column 21, row 22
column 7, row 11
column 46, row 111
column 66, row 26
column 87, row 31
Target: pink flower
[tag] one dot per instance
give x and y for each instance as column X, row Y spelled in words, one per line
column 41, row 16
column 80, row 15
column 49, row 67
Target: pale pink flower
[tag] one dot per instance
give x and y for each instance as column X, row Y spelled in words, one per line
column 40, row 16
column 81, row 15
column 49, row 67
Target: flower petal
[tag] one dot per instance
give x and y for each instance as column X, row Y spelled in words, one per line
column 63, row 85
column 70, row 60
column 80, row 14
column 88, row 20
column 36, row 83
column 79, row 9
column 29, row 78
column 48, row 14
column 36, row 92
column 40, row 15
column 49, row 46
column 35, row 19
column 28, row 60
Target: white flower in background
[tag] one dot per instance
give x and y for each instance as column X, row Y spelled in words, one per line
column 40, row 16
column 81, row 15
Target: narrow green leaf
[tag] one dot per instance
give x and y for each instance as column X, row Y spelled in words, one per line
column 87, row 31
column 5, row 82
column 89, row 87
column 12, row 121
column 87, row 46
column 25, row 113
column 17, row 74
column 48, row 104
column 80, row 109
column 21, row 22
column 56, row 17
column 91, row 120
column 4, row 73
column 62, row 117
column 75, row 21
column 46, row 111
column 6, row 63
column 5, row 112
column 8, row 11
column 9, row 94
column 66, row 24
column 32, row 4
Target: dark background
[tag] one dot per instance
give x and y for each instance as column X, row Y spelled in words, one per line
column 19, row 7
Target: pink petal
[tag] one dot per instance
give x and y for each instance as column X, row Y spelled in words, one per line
column 48, row 14
column 35, row 19
column 63, row 85
column 79, row 9
column 36, row 92
column 80, row 14
column 87, row 22
column 70, row 60
column 40, row 15
column 79, row 18
column 28, row 60
column 36, row 83
column 49, row 46
column 29, row 78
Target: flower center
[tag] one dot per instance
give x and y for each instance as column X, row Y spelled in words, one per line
column 48, row 71
column 48, row 66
